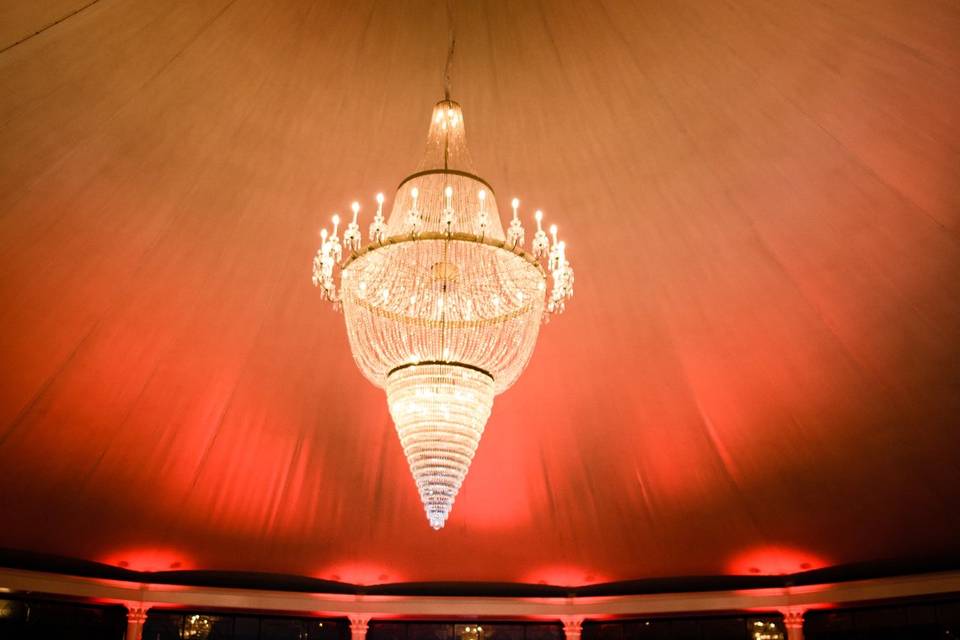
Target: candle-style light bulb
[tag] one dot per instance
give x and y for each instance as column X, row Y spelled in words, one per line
column 413, row 217
column 482, row 216
column 553, row 232
column 351, row 235
column 336, row 250
column 515, row 231
column 323, row 234
column 448, row 210
column 378, row 227
column 540, row 243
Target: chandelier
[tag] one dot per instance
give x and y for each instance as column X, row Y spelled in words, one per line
column 442, row 306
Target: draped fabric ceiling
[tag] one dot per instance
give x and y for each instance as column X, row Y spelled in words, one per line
column 760, row 372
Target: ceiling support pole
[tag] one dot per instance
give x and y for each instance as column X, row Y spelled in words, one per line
column 572, row 627
column 358, row 627
column 793, row 621
column 136, row 616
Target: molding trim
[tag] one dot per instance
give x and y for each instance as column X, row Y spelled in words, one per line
column 370, row 606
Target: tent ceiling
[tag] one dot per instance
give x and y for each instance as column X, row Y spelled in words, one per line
column 760, row 372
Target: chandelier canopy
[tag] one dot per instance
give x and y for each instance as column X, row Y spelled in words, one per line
column 442, row 306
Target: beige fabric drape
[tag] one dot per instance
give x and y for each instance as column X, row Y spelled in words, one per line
column 760, row 371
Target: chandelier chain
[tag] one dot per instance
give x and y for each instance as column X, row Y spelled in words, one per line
column 453, row 43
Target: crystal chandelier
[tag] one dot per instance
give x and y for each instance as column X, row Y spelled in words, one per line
column 442, row 306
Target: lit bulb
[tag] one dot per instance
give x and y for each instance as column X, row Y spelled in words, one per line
column 553, row 232
column 448, row 191
column 323, row 234
column 515, row 203
column 336, row 219
column 356, row 209
column 380, row 199
column 482, row 194
column 414, row 193
column 539, row 216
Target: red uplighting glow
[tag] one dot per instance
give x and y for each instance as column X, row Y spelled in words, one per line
column 564, row 576
column 358, row 573
column 149, row 560
column 774, row 561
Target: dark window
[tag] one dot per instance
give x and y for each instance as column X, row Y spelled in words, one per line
column 723, row 629
column 387, row 631
column 544, row 632
column 689, row 628
column 162, row 626
column 281, row 629
column 429, row 631
column 29, row 619
column 909, row 621
column 245, row 628
column 169, row 625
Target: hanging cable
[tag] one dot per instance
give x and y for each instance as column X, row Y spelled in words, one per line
column 453, row 43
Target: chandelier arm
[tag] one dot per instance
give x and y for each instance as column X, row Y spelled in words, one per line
column 458, row 236
column 436, row 324
column 440, row 362
column 455, row 172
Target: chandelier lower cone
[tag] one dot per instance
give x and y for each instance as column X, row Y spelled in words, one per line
column 440, row 410
column 442, row 307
